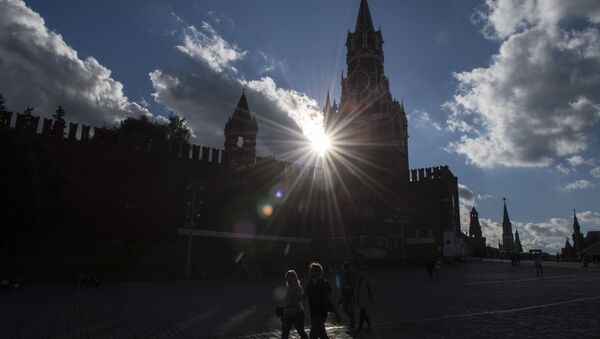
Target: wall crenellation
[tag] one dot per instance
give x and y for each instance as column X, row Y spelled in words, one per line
column 429, row 173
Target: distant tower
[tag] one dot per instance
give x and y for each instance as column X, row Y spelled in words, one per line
column 474, row 226
column 240, row 135
column 577, row 235
column 518, row 246
column 507, row 235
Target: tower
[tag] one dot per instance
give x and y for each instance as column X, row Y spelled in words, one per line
column 240, row 135
column 370, row 124
column 577, row 235
column 507, row 235
column 474, row 226
column 518, row 246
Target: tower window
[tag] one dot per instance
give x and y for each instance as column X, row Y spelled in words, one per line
column 240, row 142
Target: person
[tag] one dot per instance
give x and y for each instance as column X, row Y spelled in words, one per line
column 538, row 265
column 348, row 282
column 293, row 312
column 320, row 301
column 430, row 268
column 363, row 298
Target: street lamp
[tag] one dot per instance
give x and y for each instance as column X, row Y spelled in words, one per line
column 401, row 217
column 191, row 214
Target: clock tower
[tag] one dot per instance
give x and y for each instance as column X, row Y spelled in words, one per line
column 370, row 126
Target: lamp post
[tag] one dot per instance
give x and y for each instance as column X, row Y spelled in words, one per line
column 401, row 217
column 191, row 214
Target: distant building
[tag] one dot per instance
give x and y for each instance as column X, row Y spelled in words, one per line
column 580, row 243
column 508, row 241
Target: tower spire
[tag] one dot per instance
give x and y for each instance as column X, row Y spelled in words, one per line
column 364, row 22
column 505, row 218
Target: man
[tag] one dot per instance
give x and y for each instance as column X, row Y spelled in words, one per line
column 538, row 265
column 348, row 283
column 320, row 301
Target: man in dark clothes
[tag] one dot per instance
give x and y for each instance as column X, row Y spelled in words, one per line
column 320, row 301
column 348, row 284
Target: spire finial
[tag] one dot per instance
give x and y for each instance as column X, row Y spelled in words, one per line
column 364, row 22
column 243, row 90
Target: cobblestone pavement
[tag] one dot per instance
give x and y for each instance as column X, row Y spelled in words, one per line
column 483, row 299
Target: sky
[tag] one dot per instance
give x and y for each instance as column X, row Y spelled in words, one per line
column 503, row 92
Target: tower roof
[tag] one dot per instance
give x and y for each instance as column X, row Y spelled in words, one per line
column 364, row 22
column 242, row 111
column 241, row 118
column 505, row 218
column 575, row 221
column 473, row 210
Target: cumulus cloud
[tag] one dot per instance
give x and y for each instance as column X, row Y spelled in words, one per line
column 467, row 199
column 491, row 230
column 41, row 70
column 421, row 119
column 577, row 185
column 207, row 95
column 537, row 100
column 549, row 235
column 564, row 169
column 589, row 217
column 578, row 160
column 205, row 44
column 595, row 172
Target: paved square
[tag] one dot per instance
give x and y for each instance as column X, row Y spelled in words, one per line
column 481, row 299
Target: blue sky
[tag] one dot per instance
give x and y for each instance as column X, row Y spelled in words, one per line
column 505, row 92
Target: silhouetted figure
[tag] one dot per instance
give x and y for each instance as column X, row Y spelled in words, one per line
column 363, row 299
column 320, row 301
column 348, row 285
column 430, row 268
column 538, row 266
column 293, row 312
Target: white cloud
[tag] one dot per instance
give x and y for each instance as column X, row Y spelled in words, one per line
column 564, row 169
column 421, row 119
column 578, row 160
column 49, row 72
column 595, row 172
column 206, row 45
column 589, row 217
column 491, row 230
column 206, row 95
column 577, row 185
column 538, row 98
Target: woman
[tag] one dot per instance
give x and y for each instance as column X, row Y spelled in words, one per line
column 363, row 298
column 293, row 312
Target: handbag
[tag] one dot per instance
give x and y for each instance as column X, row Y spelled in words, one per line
column 279, row 311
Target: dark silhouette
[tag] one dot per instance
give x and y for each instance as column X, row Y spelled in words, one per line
column 293, row 312
column 175, row 131
column 2, row 105
column 348, row 285
column 320, row 301
column 58, row 128
column 363, row 299
column 538, row 265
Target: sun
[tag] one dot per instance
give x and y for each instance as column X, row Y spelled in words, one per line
column 320, row 143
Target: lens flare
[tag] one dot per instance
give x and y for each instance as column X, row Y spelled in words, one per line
column 264, row 209
column 320, row 143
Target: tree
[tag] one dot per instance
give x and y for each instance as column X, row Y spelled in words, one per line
column 58, row 127
column 2, row 107
column 60, row 114
column 143, row 126
column 177, row 130
column 28, row 111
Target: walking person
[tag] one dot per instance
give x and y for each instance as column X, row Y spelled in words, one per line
column 320, row 301
column 363, row 299
column 538, row 265
column 293, row 311
column 348, row 285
